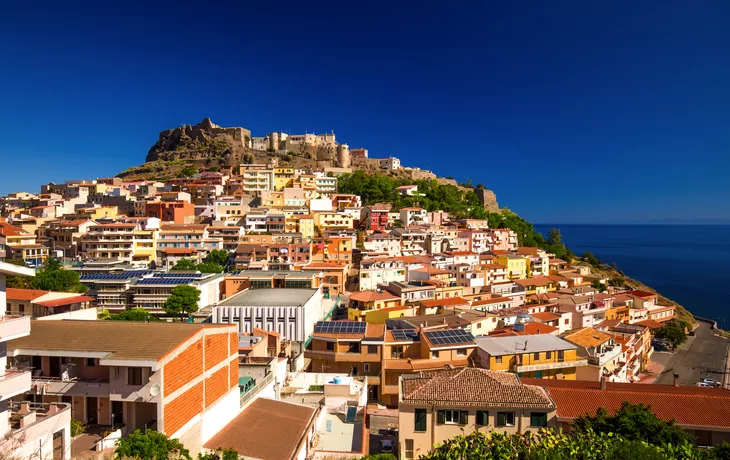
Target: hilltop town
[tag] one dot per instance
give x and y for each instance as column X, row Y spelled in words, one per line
column 233, row 287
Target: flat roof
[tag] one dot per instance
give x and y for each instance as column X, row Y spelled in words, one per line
column 124, row 340
column 512, row 345
column 250, row 433
column 275, row 297
column 15, row 270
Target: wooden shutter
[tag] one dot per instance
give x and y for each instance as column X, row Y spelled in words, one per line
column 441, row 416
column 463, row 417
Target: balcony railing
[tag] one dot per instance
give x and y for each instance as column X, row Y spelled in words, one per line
column 12, row 326
column 554, row 365
column 14, row 382
column 260, row 385
column 606, row 357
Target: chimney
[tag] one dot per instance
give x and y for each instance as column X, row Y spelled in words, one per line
column 603, row 382
column 676, row 379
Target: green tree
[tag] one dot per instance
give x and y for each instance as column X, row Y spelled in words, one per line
column 598, row 285
column 721, row 451
column 219, row 256
column 209, row 267
column 184, row 265
column 17, row 282
column 52, row 277
column 633, row 422
column 591, row 259
column 77, row 427
column 135, row 314
column 554, row 236
column 379, row 457
column 616, row 282
column 674, row 331
column 189, row 171
column 220, row 454
column 183, row 300
column 150, row 445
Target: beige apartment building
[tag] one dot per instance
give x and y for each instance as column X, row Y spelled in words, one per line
column 432, row 410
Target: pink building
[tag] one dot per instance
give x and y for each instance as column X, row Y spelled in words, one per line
column 503, row 239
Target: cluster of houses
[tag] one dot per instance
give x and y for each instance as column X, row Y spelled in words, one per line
column 330, row 313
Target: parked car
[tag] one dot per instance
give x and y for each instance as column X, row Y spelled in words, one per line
column 705, row 385
column 386, row 446
column 711, row 382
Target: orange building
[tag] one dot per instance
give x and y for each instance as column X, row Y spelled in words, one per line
column 177, row 212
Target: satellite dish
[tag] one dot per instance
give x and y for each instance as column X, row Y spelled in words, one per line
column 155, row 389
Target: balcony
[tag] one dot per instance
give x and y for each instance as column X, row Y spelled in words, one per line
column 605, row 357
column 71, row 387
column 14, row 382
column 33, row 422
column 12, row 327
column 553, row 365
column 343, row 357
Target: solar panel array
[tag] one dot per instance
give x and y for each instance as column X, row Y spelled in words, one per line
column 406, row 334
column 340, row 327
column 178, row 275
column 166, row 281
column 114, row 276
column 449, row 336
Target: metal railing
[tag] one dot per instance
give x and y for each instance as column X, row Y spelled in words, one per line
column 250, row 394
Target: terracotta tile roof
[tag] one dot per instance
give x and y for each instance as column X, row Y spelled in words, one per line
column 650, row 323
column 450, row 302
column 250, row 433
column 535, row 281
column 24, row 294
column 545, row 316
column 688, row 406
column 9, row 230
column 179, row 250
column 65, row 301
column 539, row 328
column 375, row 331
column 423, row 364
column 642, row 294
column 124, row 340
column 587, row 337
column 473, row 386
column 372, row 296
column 476, row 303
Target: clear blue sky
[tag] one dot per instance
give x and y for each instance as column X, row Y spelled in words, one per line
column 572, row 111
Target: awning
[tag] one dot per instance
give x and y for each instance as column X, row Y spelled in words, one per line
column 610, row 367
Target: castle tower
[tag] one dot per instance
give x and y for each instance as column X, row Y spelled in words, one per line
column 343, row 156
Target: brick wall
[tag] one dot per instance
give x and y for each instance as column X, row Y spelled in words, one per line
column 184, row 367
column 216, row 386
column 233, row 342
column 216, row 349
column 183, row 408
column 233, row 371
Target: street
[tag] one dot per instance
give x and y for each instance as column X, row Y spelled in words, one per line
column 702, row 356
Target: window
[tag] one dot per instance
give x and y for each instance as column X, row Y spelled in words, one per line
column 505, row 419
column 453, row 417
column 409, row 449
column 435, row 354
column 354, row 348
column 548, row 354
column 561, row 356
column 372, row 349
column 482, row 417
column 419, row 420
column 134, row 376
column 538, row 419
column 330, row 346
column 498, row 359
column 90, row 362
column 366, row 367
column 536, row 356
column 461, row 352
column 396, row 352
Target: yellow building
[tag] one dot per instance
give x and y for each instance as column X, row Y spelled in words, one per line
column 537, row 285
column 517, row 266
column 145, row 245
column 283, row 177
column 333, row 220
column 379, row 316
column 365, row 301
column 296, row 222
column 542, row 356
column 272, row 200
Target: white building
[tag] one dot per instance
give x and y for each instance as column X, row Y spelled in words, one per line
column 291, row 312
column 27, row 430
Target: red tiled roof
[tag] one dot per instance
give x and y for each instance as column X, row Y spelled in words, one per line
column 24, row 294
column 688, row 406
column 650, row 323
column 642, row 294
column 473, row 386
column 545, row 316
column 371, row 296
column 64, row 301
column 539, row 328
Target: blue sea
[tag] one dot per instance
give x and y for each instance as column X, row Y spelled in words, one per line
column 689, row 264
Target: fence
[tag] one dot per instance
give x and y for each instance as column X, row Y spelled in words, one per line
column 250, row 394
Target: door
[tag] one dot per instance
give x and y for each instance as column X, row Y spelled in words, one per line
column 55, row 366
column 117, row 412
column 92, row 406
column 538, row 374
